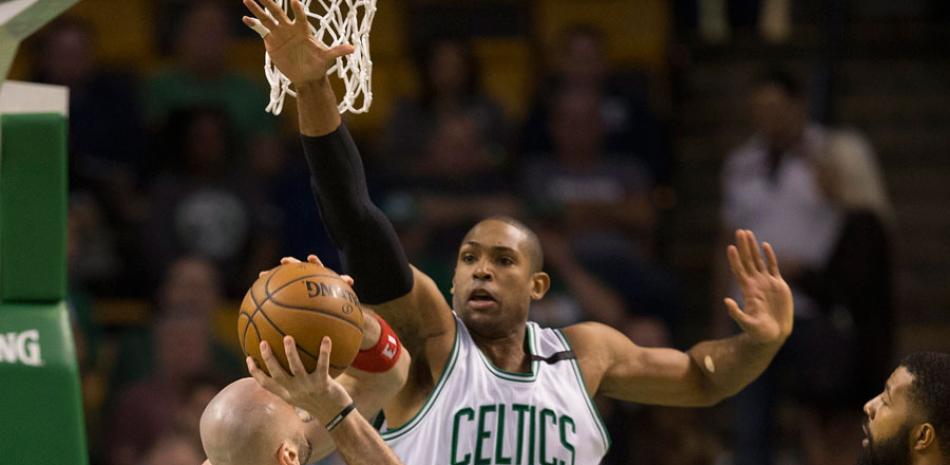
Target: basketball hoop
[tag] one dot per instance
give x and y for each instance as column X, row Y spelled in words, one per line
column 337, row 22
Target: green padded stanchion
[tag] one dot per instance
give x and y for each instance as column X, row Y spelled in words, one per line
column 32, row 207
column 41, row 418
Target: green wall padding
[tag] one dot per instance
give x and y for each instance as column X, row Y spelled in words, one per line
column 32, row 208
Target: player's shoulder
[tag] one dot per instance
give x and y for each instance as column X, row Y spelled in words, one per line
column 589, row 337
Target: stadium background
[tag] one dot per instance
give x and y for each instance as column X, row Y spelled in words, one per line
column 181, row 187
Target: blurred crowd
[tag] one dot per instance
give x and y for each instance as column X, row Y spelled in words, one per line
column 182, row 189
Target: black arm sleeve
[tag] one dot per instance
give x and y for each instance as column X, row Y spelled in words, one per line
column 368, row 244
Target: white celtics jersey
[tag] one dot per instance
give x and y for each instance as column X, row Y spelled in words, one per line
column 478, row 414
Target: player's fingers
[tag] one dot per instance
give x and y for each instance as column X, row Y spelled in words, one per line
column 270, row 361
column 259, row 13
column 257, row 373
column 732, row 253
column 348, row 280
column 286, row 260
column 293, row 358
column 736, row 313
column 300, row 12
column 323, row 360
column 265, row 381
column 745, row 255
column 772, row 259
column 276, row 11
column 340, row 51
column 256, row 25
column 314, row 259
column 756, row 252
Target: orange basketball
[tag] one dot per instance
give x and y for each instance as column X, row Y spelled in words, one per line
column 308, row 302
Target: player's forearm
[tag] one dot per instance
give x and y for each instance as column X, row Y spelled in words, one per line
column 360, row 444
column 370, row 391
column 371, row 250
column 730, row 364
column 316, row 108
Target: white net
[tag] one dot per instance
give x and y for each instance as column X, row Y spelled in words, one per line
column 334, row 22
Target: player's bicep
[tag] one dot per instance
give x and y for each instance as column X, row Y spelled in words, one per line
column 423, row 321
column 659, row 376
column 419, row 314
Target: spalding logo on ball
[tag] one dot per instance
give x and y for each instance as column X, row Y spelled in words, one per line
column 306, row 301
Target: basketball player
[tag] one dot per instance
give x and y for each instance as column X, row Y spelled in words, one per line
column 486, row 386
column 909, row 423
column 308, row 415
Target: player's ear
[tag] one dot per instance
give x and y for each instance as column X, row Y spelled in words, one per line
column 540, row 283
column 922, row 437
column 288, row 454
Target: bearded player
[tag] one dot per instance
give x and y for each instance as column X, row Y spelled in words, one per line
column 909, row 423
column 485, row 385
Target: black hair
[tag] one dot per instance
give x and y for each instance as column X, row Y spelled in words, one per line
column 782, row 78
column 930, row 391
column 532, row 243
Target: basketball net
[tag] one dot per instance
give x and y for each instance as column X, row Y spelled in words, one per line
column 337, row 22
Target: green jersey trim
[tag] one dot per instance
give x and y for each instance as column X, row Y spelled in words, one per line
column 513, row 376
column 446, row 372
column 590, row 401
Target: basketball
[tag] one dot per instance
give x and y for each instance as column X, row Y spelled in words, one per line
column 306, row 301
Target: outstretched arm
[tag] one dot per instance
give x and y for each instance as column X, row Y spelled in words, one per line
column 710, row 371
column 369, row 247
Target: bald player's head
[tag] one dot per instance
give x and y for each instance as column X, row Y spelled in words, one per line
column 247, row 425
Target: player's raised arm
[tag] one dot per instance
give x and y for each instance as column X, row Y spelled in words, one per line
column 711, row 370
column 368, row 243
column 341, row 407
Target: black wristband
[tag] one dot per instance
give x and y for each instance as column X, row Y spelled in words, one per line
column 340, row 416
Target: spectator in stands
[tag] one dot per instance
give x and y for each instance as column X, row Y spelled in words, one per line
column 457, row 181
column 769, row 186
column 855, row 283
column 106, row 137
column 200, row 204
column 578, row 295
column 191, row 286
column 180, row 443
column 579, row 64
column 201, row 75
column 854, row 290
column 146, row 410
column 601, row 201
column 450, row 93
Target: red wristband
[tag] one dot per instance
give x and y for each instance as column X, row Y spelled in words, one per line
column 383, row 355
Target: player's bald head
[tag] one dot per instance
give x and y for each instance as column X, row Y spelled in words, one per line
column 530, row 245
column 245, row 425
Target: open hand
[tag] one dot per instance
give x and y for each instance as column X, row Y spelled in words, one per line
column 317, row 393
column 768, row 314
column 292, row 46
